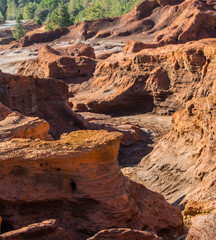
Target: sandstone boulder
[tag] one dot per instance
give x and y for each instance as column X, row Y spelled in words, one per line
column 203, row 228
column 46, row 230
column 79, row 49
column 77, row 181
column 44, row 98
column 123, row 234
column 41, row 37
column 60, row 64
column 4, row 111
column 15, row 125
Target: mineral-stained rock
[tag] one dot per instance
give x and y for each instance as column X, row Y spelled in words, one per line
column 159, row 79
column 79, row 49
column 40, row 37
column 60, row 64
column 134, row 46
column 182, row 165
column 46, row 230
column 203, row 228
column 16, row 125
column 77, row 181
column 4, row 111
column 123, row 234
column 44, row 98
column 131, row 133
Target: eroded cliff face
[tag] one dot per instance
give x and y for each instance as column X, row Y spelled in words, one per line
column 182, row 164
column 77, row 181
column 158, row 79
column 44, row 98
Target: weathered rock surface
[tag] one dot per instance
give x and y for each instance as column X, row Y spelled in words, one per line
column 159, row 79
column 46, row 230
column 60, row 64
column 182, row 164
column 77, row 181
column 44, row 98
column 131, row 133
column 203, row 228
column 79, row 49
column 41, row 37
column 4, row 111
column 123, row 234
column 15, row 125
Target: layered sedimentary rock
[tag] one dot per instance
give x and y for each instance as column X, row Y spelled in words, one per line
column 15, row 125
column 122, row 234
column 77, row 181
column 46, row 230
column 61, row 64
column 158, row 79
column 182, row 164
column 44, row 98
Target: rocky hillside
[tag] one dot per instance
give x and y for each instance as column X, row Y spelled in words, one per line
column 159, row 21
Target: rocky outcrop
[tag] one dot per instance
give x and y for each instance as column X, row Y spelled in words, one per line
column 182, row 165
column 159, row 79
column 79, row 49
column 41, row 37
column 77, row 181
column 203, row 228
column 122, row 234
column 44, row 98
column 60, row 64
column 15, row 125
column 46, row 230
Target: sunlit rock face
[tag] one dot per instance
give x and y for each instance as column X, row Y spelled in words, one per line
column 77, row 181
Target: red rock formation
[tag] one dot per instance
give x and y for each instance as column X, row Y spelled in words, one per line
column 122, row 234
column 162, row 79
column 203, row 228
column 15, row 125
column 159, row 21
column 77, row 181
column 79, row 49
column 59, row 63
column 182, row 164
column 41, row 37
column 46, row 230
column 45, row 98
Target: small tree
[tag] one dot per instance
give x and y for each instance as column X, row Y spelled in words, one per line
column 41, row 14
column 29, row 10
column 19, row 30
column 60, row 17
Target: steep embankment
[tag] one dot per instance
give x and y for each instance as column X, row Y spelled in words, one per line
column 182, row 164
column 159, row 21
